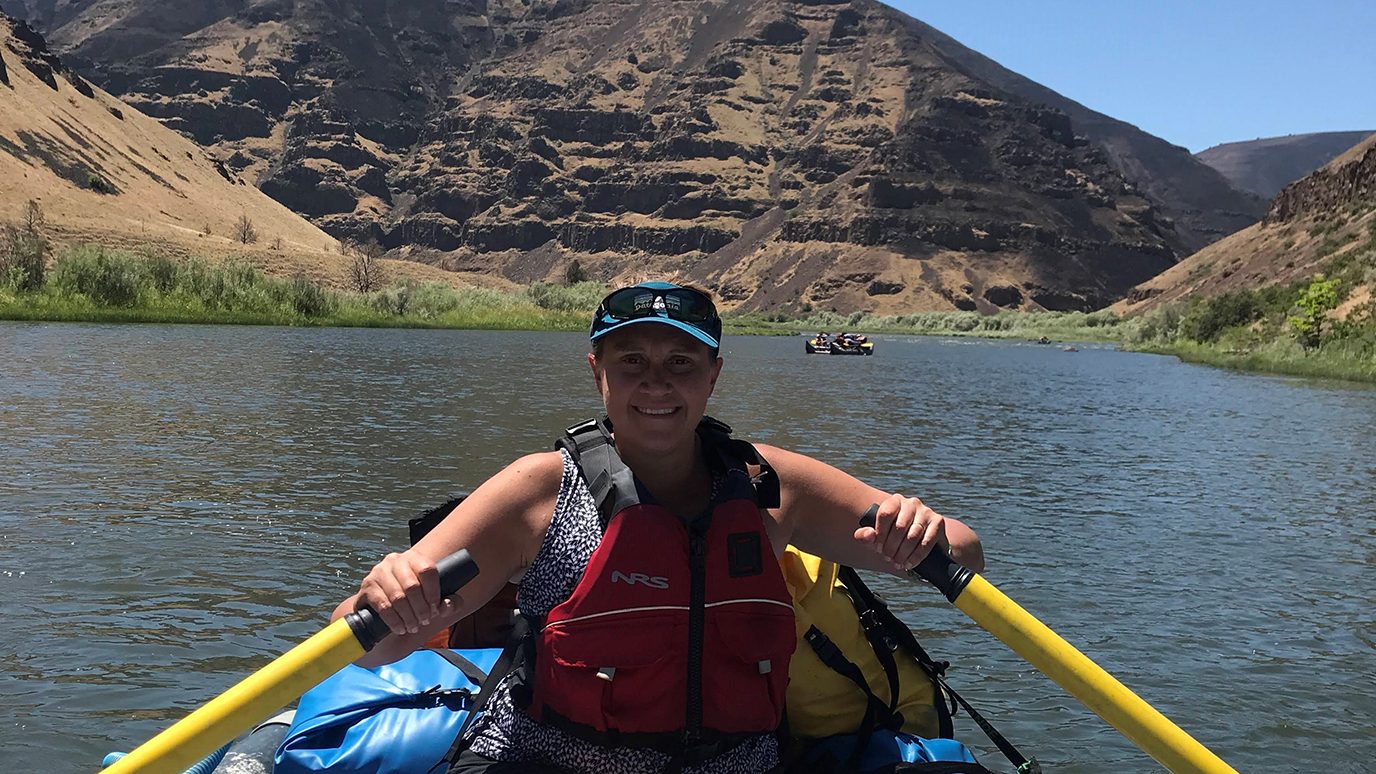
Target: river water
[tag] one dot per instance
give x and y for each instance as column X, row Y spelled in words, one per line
column 178, row 504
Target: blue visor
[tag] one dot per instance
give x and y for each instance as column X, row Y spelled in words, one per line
column 689, row 310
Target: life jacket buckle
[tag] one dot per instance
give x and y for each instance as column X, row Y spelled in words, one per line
column 606, row 673
column 765, row 667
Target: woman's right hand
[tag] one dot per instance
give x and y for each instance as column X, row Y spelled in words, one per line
column 404, row 590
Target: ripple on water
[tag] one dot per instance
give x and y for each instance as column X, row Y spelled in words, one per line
column 169, row 520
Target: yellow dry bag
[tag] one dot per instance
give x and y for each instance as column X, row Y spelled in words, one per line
column 853, row 656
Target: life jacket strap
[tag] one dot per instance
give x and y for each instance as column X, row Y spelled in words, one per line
column 611, row 483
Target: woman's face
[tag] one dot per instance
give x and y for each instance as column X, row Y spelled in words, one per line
column 655, row 381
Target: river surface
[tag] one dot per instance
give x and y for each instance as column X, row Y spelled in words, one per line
column 178, row 504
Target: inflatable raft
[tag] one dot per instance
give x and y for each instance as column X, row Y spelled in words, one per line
column 406, row 717
column 844, row 344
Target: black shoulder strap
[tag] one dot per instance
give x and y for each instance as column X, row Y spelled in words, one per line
column 876, row 714
column 610, row 482
column 861, row 594
column 515, row 648
column 469, row 669
column 766, row 482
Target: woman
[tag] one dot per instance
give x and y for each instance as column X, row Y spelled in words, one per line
column 660, row 627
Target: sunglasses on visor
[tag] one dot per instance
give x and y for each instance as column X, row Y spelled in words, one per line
column 682, row 304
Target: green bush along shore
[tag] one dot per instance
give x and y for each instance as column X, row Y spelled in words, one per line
column 100, row 285
column 1282, row 329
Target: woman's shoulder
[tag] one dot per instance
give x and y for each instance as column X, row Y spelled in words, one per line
column 537, row 475
column 523, row 492
column 780, row 458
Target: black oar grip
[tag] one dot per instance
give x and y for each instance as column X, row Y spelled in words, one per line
column 938, row 568
column 455, row 570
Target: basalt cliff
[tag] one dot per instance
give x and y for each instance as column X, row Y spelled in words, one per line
column 1320, row 222
column 790, row 155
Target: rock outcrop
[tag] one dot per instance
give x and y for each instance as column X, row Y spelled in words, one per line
column 1348, row 179
column 793, row 155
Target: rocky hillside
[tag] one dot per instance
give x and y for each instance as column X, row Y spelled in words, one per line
column 1265, row 166
column 1202, row 204
column 103, row 172
column 1329, row 214
column 793, row 155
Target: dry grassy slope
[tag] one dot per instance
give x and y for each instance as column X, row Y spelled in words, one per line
column 1337, row 203
column 1265, row 166
column 58, row 134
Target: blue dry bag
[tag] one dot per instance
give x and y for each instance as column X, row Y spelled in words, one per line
column 399, row 718
column 889, row 751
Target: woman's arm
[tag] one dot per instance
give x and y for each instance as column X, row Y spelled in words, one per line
column 820, row 512
column 502, row 524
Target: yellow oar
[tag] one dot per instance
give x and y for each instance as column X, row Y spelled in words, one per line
column 1137, row 720
column 274, row 686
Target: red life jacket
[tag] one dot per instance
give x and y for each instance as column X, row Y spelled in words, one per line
column 678, row 636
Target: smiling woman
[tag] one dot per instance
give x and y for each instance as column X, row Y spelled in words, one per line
column 657, row 624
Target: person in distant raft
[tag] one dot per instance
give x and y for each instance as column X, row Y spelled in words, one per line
column 657, row 624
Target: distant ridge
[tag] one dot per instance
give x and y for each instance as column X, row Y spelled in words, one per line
column 1265, row 166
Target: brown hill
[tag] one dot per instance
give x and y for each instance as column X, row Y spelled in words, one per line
column 97, row 165
column 1264, row 166
column 1326, row 214
column 104, row 172
column 793, row 155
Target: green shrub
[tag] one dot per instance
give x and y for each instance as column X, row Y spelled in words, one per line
column 309, row 299
column 1330, row 245
column 575, row 273
column 582, row 297
column 1159, row 325
column 23, row 258
column 162, row 271
column 1205, row 320
column 427, row 300
column 1314, row 303
column 237, row 286
column 100, row 185
column 107, row 278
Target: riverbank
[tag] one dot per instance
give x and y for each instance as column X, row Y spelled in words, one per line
column 1283, row 358
column 1244, row 330
column 93, row 284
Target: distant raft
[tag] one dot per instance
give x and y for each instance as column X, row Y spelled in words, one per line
column 841, row 344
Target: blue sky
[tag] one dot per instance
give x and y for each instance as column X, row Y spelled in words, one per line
column 1194, row 73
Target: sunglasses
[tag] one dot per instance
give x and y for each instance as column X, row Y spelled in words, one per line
column 682, row 304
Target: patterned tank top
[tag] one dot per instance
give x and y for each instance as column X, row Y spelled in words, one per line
column 506, row 732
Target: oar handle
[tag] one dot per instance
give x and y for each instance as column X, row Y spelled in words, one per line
column 455, row 570
column 938, row 568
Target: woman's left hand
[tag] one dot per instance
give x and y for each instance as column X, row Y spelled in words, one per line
column 905, row 531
